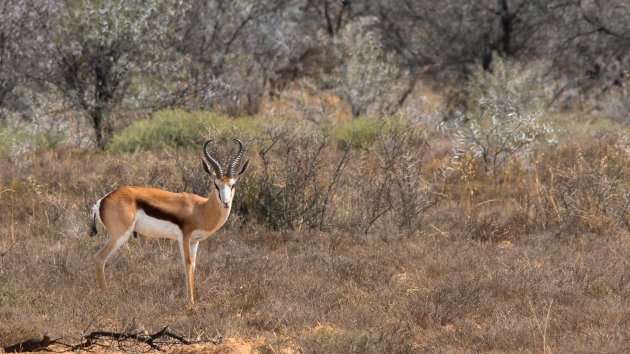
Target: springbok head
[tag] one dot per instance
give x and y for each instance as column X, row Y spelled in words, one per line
column 224, row 181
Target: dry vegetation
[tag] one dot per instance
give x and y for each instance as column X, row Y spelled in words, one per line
column 337, row 247
column 428, row 176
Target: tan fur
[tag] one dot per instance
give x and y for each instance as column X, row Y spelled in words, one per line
column 119, row 207
column 189, row 211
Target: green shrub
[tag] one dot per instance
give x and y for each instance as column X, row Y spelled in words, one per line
column 505, row 118
column 15, row 140
column 174, row 128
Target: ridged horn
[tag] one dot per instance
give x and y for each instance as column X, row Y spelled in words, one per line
column 215, row 165
column 233, row 162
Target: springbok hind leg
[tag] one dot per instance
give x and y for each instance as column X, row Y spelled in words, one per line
column 101, row 257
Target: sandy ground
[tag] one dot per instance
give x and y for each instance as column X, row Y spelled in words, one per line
column 229, row 346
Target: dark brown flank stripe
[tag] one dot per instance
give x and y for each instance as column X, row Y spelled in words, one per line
column 158, row 213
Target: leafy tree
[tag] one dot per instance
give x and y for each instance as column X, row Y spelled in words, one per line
column 100, row 54
column 20, row 24
column 367, row 73
column 588, row 41
column 234, row 49
column 591, row 51
column 226, row 55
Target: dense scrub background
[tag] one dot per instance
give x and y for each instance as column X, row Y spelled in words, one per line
column 80, row 70
column 443, row 177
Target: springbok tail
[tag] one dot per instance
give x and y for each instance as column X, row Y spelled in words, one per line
column 95, row 210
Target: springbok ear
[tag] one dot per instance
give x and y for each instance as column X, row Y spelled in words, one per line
column 244, row 168
column 206, row 167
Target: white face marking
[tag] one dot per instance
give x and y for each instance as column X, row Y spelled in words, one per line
column 151, row 227
column 224, row 191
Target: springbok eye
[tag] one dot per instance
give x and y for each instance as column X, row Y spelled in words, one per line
column 233, row 187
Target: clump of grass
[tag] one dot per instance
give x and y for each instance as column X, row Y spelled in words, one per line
column 363, row 132
column 358, row 133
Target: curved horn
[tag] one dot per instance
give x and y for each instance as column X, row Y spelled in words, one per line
column 215, row 165
column 233, row 162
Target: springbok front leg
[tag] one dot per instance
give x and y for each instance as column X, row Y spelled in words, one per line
column 193, row 251
column 187, row 262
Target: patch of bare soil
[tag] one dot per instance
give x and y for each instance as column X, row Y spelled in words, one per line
column 228, row 346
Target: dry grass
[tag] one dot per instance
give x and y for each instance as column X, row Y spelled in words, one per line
column 535, row 261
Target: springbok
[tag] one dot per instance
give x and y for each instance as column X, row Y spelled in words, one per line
column 156, row 213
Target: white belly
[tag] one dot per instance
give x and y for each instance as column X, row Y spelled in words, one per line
column 151, row 227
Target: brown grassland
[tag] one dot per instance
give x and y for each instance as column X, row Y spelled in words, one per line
column 337, row 249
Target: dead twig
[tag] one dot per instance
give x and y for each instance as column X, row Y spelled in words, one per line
column 93, row 339
column 150, row 340
column 30, row 345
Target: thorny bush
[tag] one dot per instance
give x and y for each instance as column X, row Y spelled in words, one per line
column 294, row 183
column 304, row 181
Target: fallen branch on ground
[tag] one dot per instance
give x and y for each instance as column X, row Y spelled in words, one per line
column 30, row 345
column 155, row 341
